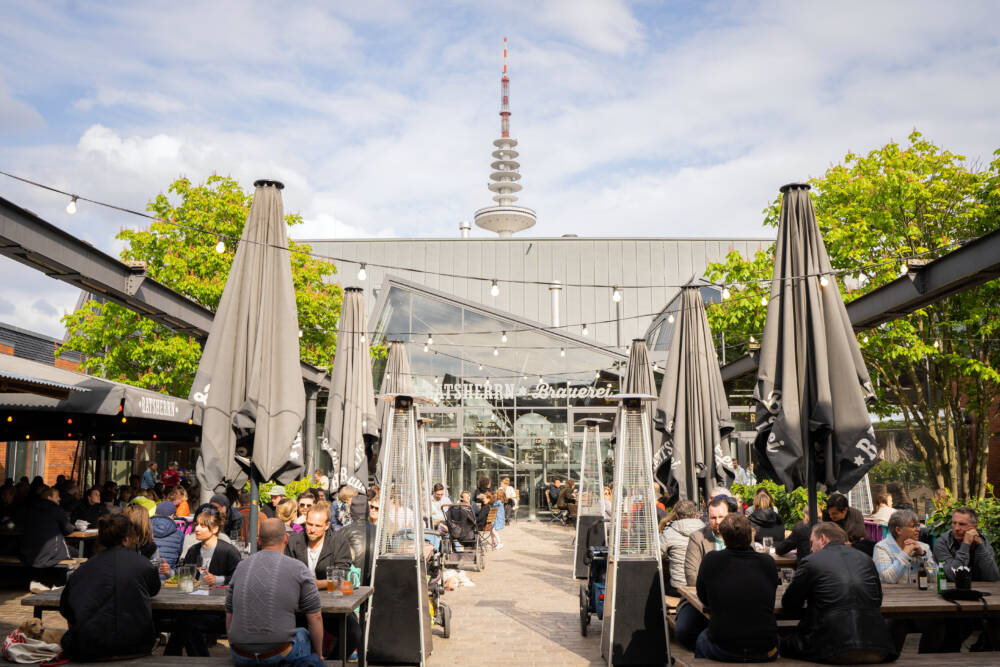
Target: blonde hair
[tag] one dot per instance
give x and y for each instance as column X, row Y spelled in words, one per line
column 321, row 506
column 142, row 530
column 287, row 510
column 347, row 494
column 763, row 501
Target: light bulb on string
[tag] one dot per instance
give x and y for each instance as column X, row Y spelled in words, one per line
column 903, row 269
column 937, row 345
column 763, row 300
column 362, row 274
column 496, row 352
column 426, row 348
column 823, row 282
column 480, row 367
column 430, row 339
column 585, row 330
column 752, row 339
column 725, row 293
column 503, row 337
column 220, row 247
column 616, row 294
column 670, row 318
column 865, row 338
column 71, row 206
column 562, row 351
column 300, row 333
column 494, row 289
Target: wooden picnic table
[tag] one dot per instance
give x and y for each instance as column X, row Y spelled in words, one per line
column 169, row 601
column 899, row 601
column 84, row 536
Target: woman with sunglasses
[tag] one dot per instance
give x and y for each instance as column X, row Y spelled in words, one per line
column 216, row 561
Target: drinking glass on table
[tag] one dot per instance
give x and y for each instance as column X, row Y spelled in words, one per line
column 346, row 585
column 768, row 544
column 333, row 577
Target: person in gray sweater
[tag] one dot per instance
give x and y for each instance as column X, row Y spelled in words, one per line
column 682, row 522
column 266, row 633
column 964, row 546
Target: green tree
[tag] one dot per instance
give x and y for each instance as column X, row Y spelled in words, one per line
column 122, row 345
column 937, row 367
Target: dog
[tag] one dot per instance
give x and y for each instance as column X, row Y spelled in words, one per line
column 34, row 629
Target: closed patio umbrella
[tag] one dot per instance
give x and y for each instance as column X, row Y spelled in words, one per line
column 692, row 413
column 812, row 384
column 351, row 421
column 249, row 377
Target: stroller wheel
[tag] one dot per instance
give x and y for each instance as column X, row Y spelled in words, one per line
column 444, row 618
column 584, row 609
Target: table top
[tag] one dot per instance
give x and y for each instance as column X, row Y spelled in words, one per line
column 170, row 599
column 84, row 534
column 898, row 601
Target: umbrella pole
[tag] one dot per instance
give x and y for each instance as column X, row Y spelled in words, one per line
column 254, row 508
column 811, row 481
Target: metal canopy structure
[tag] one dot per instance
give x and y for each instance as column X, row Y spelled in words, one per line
column 26, row 238
column 975, row 263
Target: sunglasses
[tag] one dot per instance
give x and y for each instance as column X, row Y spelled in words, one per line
column 373, row 507
column 305, row 504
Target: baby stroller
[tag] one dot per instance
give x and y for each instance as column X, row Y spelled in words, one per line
column 462, row 543
column 592, row 592
column 440, row 612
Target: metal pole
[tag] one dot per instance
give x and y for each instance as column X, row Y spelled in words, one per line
column 618, row 320
column 309, row 430
column 254, row 508
column 811, row 481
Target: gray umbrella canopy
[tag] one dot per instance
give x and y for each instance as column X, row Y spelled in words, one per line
column 396, row 379
column 812, row 383
column 639, row 377
column 692, row 412
column 351, row 419
column 249, row 370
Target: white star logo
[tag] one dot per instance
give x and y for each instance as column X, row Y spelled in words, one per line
column 858, row 461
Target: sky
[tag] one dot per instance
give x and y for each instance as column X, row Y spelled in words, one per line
column 633, row 118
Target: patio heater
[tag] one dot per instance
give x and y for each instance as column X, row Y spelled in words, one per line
column 635, row 630
column 398, row 630
column 437, row 473
column 590, row 529
column 423, row 471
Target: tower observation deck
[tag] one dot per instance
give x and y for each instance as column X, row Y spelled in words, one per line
column 505, row 219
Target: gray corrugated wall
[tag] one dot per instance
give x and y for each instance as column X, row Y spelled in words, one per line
column 636, row 261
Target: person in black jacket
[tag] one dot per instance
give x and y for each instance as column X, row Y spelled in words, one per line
column 798, row 539
column 216, row 561
column 45, row 526
column 737, row 586
column 90, row 509
column 106, row 602
column 843, row 619
column 360, row 535
column 766, row 521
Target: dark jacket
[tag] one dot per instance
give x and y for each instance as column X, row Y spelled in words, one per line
column 853, row 524
column 225, row 558
column 90, row 513
column 737, row 587
column 335, row 552
column 844, row 617
column 798, row 540
column 767, row 523
column 360, row 535
column 106, row 603
column 45, row 526
column 567, row 496
column 979, row 557
column 461, row 520
column 168, row 538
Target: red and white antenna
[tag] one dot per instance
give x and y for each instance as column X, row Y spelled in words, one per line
column 505, row 96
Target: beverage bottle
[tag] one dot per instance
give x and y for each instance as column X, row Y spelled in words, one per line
column 922, row 575
column 942, row 581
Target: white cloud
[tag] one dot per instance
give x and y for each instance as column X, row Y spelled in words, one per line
column 605, row 25
column 111, row 97
column 15, row 115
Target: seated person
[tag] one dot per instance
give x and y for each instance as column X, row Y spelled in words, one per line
column 840, row 588
column 360, row 535
column 678, row 526
column 765, row 519
column 216, row 561
column 883, row 508
column 439, row 501
column 45, row 525
column 797, row 540
column 90, row 509
column 690, row 622
column 107, row 600
column 737, row 586
column 848, row 518
column 897, row 559
column 267, row 634
column 566, row 501
column 553, row 492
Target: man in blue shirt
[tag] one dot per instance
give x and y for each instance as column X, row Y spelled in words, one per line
column 149, row 477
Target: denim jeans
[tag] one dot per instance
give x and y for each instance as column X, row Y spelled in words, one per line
column 690, row 623
column 301, row 654
column 704, row 648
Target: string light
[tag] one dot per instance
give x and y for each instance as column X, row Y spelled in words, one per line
column 725, row 293
column 425, row 347
column 670, row 318
column 362, row 274
column 585, row 330
column 866, row 338
column 823, row 282
column 763, row 300
column 71, row 206
column 220, row 247
column 937, row 344
column 503, row 337
column 562, row 351
column 300, row 333
column 903, row 269
column 494, row 289
column 480, row 367
column 496, row 352
column 430, row 339
column 616, row 294
column 752, row 339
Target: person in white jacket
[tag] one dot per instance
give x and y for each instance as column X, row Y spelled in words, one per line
column 677, row 529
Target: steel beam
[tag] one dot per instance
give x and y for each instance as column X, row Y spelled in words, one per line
column 26, row 238
column 975, row 263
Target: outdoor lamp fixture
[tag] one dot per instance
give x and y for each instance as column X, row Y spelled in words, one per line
column 362, row 274
column 503, row 337
column 725, row 293
column 823, row 282
column 300, row 333
column 616, row 294
column 430, row 339
column 71, row 206
column 494, row 289
column 220, row 247
column 480, row 367
column 585, row 331
column 496, row 352
column 562, row 351
column 866, row 338
column 670, row 318
column 763, row 300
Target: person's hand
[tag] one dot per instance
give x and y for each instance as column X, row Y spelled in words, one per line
column 208, row 578
column 164, row 568
column 971, row 537
column 911, row 547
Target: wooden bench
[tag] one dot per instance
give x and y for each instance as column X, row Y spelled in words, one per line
column 165, row 660
column 685, row 658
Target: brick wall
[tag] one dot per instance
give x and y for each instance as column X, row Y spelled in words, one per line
column 59, row 459
column 3, row 461
column 6, row 349
column 67, row 364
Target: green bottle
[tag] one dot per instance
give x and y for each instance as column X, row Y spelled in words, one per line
column 942, row 581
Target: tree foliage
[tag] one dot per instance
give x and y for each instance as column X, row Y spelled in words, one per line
column 939, row 367
column 119, row 344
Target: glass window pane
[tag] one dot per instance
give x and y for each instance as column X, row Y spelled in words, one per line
column 487, row 422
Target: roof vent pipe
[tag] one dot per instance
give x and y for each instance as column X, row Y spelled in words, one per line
column 463, row 228
column 554, row 288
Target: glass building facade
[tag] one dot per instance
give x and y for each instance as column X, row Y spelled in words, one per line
column 508, row 392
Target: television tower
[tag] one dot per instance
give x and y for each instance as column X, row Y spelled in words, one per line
column 505, row 219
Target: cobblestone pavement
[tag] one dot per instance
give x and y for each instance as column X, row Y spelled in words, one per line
column 524, row 608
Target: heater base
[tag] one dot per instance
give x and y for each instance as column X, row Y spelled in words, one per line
column 400, row 614
column 634, row 631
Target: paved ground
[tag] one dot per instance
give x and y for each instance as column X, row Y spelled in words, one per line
column 524, row 609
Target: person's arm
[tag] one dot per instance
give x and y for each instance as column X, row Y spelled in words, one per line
column 692, row 560
column 700, row 585
column 797, row 591
column 64, row 607
column 787, row 544
column 315, row 622
column 342, row 558
column 229, row 620
column 152, row 577
column 891, row 568
column 311, row 606
column 942, row 554
column 985, row 562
